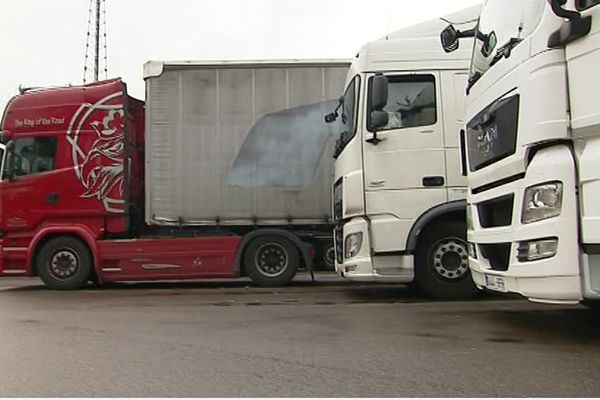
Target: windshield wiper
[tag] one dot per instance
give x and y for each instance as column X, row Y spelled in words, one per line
column 505, row 50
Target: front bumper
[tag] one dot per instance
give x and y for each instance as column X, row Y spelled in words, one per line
column 553, row 280
column 364, row 267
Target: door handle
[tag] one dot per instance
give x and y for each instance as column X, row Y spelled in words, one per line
column 53, row 198
column 378, row 182
column 431, row 181
column 427, row 131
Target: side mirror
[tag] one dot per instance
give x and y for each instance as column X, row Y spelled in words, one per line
column 449, row 38
column 489, row 44
column 378, row 100
column 379, row 119
column 6, row 136
column 10, row 160
column 379, row 92
column 331, row 117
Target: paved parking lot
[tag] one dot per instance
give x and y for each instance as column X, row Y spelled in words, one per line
column 325, row 339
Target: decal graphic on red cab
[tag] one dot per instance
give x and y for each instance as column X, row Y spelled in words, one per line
column 98, row 160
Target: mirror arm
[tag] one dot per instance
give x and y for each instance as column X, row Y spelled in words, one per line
column 557, row 9
column 374, row 140
column 466, row 34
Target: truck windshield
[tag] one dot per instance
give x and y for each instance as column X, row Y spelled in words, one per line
column 348, row 116
column 503, row 24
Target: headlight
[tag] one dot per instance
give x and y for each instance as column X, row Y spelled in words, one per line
column 353, row 243
column 542, row 202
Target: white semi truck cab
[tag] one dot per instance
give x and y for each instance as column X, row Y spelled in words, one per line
column 533, row 148
column 399, row 195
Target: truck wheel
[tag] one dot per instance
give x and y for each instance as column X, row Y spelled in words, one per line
column 64, row 263
column 271, row 261
column 442, row 262
column 329, row 256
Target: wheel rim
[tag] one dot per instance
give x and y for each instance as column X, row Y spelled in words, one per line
column 330, row 256
column 271, row 259
column 63, row 264
column 450, row 258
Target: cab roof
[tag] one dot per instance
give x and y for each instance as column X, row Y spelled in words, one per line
column 418, row 46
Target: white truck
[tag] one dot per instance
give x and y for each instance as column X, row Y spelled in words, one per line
column 533, row 147
column 399, row 195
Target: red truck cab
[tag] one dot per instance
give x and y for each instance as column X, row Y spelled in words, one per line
column 72, row 195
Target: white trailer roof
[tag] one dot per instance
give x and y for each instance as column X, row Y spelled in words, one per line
column 156, row 68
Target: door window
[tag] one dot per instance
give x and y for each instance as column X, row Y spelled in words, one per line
column 34, row 156
column 411, row 102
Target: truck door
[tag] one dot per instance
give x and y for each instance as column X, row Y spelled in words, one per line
column 29, row 196
column 583, row 58
column 405, row 167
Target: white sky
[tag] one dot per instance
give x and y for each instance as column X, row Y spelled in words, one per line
column 42, row 42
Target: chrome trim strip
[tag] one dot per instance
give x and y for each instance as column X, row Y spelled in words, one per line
column 160, row 266
column 112, row 269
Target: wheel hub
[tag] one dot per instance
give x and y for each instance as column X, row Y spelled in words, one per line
column 271, row 259
column 450, row 258
column 64, row 264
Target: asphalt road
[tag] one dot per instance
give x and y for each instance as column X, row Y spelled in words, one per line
column 328, row 339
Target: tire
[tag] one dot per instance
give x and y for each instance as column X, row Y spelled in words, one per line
column 64, row 263
column 442, row 262
column 271, row 260
column 327, row 256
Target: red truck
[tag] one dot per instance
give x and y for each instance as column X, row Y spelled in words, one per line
column 74, row 199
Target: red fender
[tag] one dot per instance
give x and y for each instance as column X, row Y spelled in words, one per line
column 80, row 231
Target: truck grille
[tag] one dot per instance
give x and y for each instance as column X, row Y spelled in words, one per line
column 498, row 254
column 492, row 134
column 339, row 243
column 497, row 212
column 338, row 217
column 338, row 197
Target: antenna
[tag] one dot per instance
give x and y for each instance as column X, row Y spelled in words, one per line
column 95, row 39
